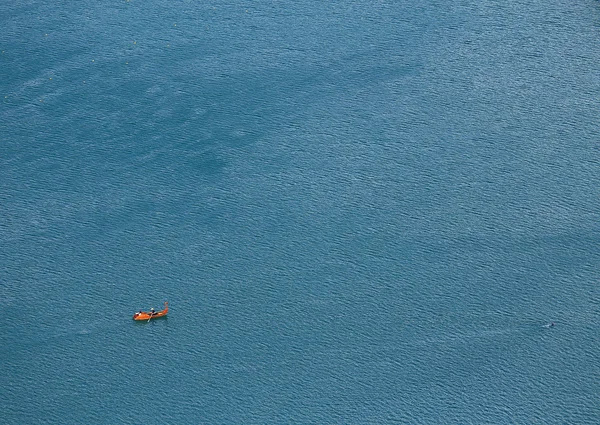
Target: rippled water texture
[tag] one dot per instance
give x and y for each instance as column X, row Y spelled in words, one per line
column 360, row 212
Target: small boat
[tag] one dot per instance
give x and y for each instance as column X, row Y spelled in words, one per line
column 147, row 316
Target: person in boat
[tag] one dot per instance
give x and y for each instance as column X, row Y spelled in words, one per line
column 152, row 312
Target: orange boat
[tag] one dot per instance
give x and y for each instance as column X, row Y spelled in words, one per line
column 147, row 316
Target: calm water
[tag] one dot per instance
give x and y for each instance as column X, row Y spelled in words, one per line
column 360, row 212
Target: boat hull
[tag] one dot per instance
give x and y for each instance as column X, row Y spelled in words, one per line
column 147, row 316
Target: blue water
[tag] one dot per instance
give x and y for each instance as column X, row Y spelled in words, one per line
column 360, row 212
